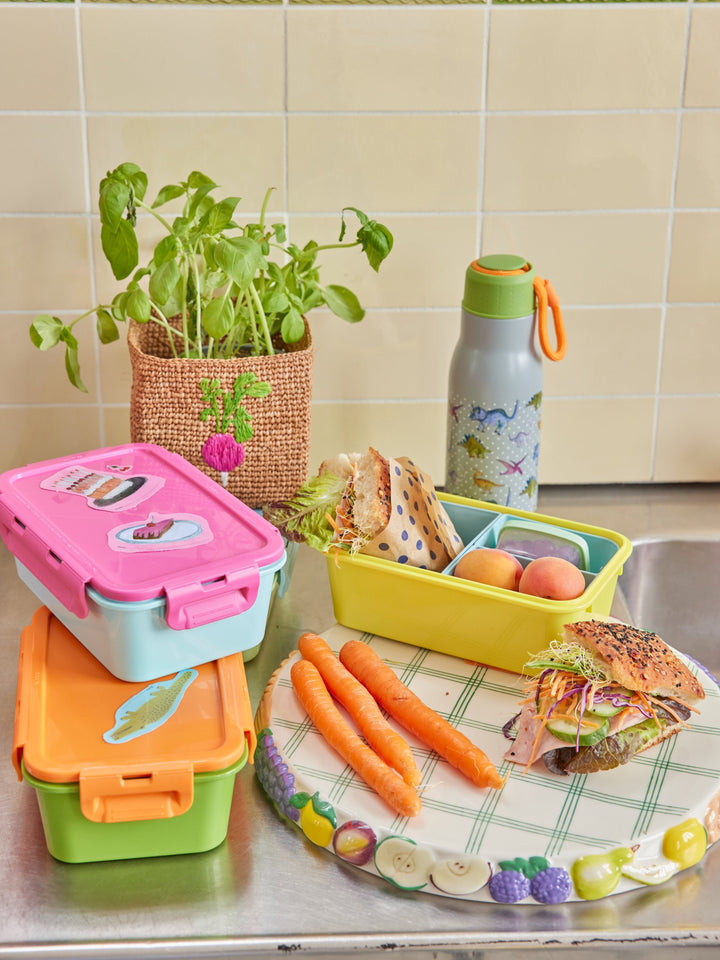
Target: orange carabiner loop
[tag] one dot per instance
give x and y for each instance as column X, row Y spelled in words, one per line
column 546, row 296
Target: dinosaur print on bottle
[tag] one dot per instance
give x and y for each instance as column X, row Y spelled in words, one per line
column 493, row 449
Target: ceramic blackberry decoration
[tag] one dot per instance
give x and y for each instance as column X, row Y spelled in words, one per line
column 495, row 385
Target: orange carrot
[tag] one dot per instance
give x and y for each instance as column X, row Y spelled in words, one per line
column 362, row 707
column 421, row 720
column 318, row 703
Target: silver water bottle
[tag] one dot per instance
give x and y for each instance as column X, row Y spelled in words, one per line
column 495, row 384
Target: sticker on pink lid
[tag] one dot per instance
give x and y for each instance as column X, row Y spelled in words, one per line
column 102, row 489
column 174, row 531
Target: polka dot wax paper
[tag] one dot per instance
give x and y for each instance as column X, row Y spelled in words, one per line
column 419, row 533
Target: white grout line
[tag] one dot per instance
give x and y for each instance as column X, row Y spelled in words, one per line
column 669, row 242
column 416, row 214
column 375, row 401
column 415, row 309
column 286, row 95
column 482, row 147
column 511, row 114
column 98, row 395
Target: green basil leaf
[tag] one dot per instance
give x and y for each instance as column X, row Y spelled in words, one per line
column 217, row 318
column 176, row 302
column 313, row 297
column 134, row 175
column 166, row 250
column 202, row 186
column 280, row 232
column 68, row 338
column 220, row 215
column 362, row 217
column 163, row 281
column 214, row 279
column 198, row 180
column 296, row 301
column 170, row 192
column 138, row 305
column 241, row 258
column 45, row 331
column 119, row 306
column 274, row 271
column 181, row 227
column 120, row 246
column 113, row 200
column 377, row 242
column 343, row 303
column 106, row 327
column 72, row 368
column 292, row 328
column 198, row 209
column 275, row 302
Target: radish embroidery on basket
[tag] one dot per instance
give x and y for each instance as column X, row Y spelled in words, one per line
column 224, row 450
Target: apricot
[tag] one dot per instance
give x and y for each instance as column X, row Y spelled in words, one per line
column 552, row 578
column 496, row 568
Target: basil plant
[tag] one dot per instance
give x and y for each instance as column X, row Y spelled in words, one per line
column 218, row 288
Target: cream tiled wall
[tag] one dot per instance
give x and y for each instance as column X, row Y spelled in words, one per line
column 585, row 137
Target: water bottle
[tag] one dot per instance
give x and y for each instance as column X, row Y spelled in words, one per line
column 496, row 382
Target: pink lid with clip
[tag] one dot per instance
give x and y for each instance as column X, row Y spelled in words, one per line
column 136, row 522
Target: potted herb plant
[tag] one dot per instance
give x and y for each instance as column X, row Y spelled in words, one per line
column 218, row 335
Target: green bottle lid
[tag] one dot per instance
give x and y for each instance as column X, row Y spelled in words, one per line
column 499, row 286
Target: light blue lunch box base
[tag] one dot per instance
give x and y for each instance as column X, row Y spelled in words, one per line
column 134, row 642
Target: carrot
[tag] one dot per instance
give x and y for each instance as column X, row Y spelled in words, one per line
column 362, row 707
column 421, row 720
column 318, row 703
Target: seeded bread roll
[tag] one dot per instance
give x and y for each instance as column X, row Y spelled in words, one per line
column 371, row 506
column 365, row 505
column 636, row 659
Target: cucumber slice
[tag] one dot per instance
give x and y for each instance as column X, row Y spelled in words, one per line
column 590, row 732
column 605, row 709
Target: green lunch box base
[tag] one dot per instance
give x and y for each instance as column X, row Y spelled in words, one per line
column 72, row 838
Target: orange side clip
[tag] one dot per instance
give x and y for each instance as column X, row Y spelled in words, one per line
column 547, row 297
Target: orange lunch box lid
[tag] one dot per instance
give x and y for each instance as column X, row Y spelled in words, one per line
column 133, row 748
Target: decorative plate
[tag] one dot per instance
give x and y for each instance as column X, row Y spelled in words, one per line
column 541, row 838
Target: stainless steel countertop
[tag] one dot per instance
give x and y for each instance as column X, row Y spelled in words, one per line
column 265, row 891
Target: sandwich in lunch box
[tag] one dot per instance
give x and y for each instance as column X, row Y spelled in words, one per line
column 370, row 504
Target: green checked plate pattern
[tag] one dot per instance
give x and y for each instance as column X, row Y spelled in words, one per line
column 605, row 830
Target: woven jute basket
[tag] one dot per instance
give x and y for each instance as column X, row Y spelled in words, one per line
column 166, row 402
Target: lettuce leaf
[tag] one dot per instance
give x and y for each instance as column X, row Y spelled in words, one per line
column 611, row 752
column 303, row 519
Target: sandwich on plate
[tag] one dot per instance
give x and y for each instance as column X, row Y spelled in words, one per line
column 601, row 694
